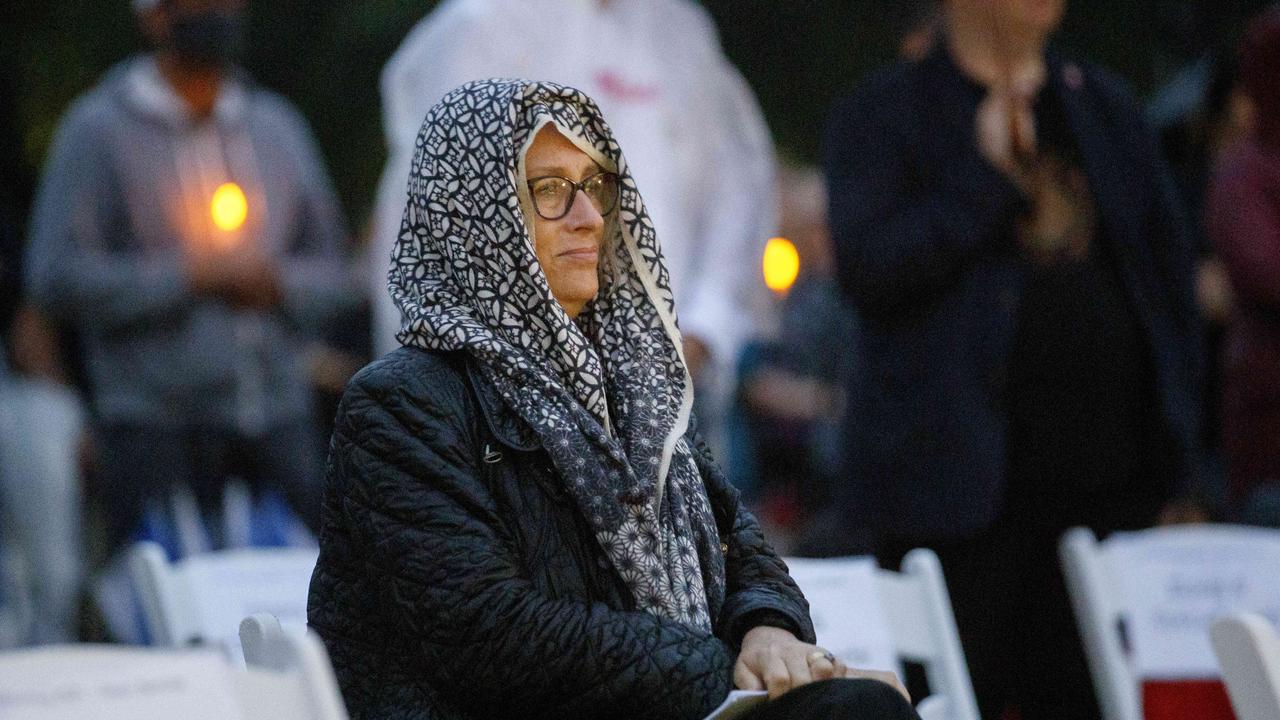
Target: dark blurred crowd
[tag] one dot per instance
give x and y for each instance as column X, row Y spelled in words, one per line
column 1024, row 301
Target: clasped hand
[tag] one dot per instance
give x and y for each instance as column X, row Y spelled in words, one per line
column 773, row 659
column 241, row 277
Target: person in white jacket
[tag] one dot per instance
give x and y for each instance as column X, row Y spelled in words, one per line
column 696, row 138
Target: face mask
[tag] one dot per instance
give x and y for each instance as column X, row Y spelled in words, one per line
column 207, row 39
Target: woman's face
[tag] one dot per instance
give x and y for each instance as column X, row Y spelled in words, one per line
column 1035, row 19
column 568, row 249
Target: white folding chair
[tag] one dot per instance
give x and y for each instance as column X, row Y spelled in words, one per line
column 204, row 597
column 908, row 614
column 1144, row 601
column 1249, row 653
column 117, row 682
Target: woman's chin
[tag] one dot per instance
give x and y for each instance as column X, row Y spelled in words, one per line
column 573, row 299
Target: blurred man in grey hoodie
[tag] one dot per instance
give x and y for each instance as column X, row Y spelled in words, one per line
column 186, row 228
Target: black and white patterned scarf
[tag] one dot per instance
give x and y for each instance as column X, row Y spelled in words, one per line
column 608, row 394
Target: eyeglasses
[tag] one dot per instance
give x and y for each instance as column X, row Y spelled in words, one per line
column 553, row 195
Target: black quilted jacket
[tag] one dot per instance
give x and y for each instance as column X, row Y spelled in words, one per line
column 457, row 580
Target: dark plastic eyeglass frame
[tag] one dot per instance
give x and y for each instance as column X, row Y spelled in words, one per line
column 573, row 195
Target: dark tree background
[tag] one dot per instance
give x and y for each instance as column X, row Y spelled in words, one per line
column 325, row 55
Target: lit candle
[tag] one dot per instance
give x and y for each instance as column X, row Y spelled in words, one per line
column 781, row 264
column 229, row 207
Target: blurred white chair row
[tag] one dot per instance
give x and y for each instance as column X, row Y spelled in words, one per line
column 1144, row 601
column 871, row 617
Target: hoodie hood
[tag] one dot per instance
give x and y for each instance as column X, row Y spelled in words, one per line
column 140, row 86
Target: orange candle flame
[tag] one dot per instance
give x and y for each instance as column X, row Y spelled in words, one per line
column 229, row 207
column 781, row 264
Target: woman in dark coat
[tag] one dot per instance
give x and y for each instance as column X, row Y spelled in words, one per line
column 519, row 519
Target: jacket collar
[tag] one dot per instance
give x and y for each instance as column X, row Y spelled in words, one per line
column 1107, row 166
column 505, row 425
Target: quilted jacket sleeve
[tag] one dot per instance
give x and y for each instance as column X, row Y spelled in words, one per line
column 404, row 461
column 758, row 589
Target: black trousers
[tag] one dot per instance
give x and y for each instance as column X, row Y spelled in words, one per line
column 1015, row 623
column 837, row 700
column 142, row 463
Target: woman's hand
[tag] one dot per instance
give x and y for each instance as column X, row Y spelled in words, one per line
column 773, row 659
column 1061, row 225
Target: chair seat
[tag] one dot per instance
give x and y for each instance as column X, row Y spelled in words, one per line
column 116, row 682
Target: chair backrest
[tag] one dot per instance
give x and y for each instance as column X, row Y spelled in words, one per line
column 908, row 612
column 1249, row 653
column 204, row 597
column 1144, row 601
column 116, row 682
column 265, row 642
column 269, row 648
column 1095, row 598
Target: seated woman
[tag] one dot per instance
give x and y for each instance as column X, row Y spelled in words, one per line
column 519, row 520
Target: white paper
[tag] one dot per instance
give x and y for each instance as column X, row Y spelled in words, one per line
column 845, row 606
column 737, row 703
column 1174, row 585
column 115, row 683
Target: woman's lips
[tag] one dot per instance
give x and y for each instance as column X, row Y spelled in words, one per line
column 586, row 253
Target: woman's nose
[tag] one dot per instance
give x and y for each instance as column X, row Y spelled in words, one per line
column 583, row 213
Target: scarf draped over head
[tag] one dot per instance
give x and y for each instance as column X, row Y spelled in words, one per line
column 608, row 394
